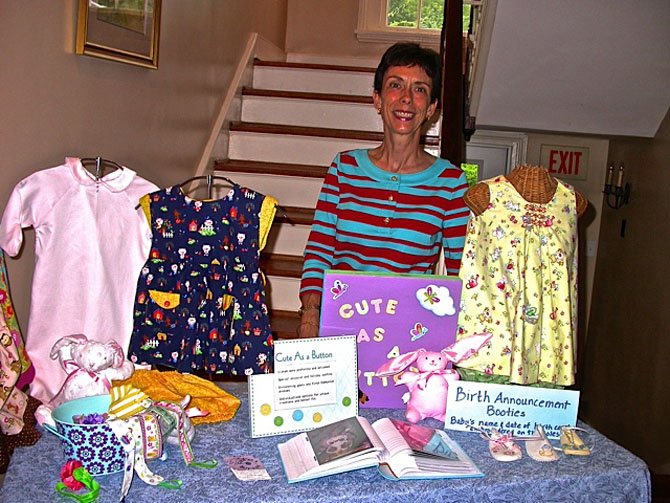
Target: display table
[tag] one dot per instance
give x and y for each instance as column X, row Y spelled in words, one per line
column 611, row 474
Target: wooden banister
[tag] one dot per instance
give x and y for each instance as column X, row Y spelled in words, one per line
column 452, row 139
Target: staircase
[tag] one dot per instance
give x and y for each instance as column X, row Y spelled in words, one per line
column 294, row 119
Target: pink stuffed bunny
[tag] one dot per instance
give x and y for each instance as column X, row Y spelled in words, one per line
column 428, row 386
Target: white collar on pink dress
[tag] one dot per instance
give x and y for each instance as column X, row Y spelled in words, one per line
column 116, row 181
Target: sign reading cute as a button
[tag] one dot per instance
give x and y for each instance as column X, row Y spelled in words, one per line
column 390, row 315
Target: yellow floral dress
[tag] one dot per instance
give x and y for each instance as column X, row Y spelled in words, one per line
column 519, row 272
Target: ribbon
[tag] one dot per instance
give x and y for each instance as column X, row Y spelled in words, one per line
column 185, row 445
column 421, row 378
column 81, row 474
column 135, row 434
column 95, row 377
column 129, row 431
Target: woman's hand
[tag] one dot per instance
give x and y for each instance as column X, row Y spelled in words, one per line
column 309, row 327
column 309, row 316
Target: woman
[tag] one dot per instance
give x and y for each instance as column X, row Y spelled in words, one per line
column 390, row 208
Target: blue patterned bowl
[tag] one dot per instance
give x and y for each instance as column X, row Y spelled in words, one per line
column 94, row 445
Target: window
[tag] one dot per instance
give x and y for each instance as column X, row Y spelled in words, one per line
column 373, row 27
column 388, row 21
column 478, row 15
column 421, row 14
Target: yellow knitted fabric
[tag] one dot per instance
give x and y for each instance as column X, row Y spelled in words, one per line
column 173, row 386
column 145, row 202
column 267, row 215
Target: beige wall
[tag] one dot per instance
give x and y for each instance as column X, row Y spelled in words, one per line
column 627, row 390
column 589, row 222
column 55, row 103
column 332, row 33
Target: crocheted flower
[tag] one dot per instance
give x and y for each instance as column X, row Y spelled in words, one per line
column 67, row 476
column 77, row 437
column 107, row 453
column 115, row 466
column 86, row 453
column 98, row 439
column 96, row 467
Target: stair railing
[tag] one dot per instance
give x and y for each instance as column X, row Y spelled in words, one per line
column 452, row 137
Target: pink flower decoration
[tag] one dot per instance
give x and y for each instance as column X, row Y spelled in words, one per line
column 66, row 475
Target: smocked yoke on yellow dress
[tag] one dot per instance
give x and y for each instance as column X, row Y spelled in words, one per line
column 519, row 272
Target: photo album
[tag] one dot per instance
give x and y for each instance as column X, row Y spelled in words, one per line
column 399, row 449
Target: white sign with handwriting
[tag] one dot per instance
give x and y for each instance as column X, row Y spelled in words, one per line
column 510, row 409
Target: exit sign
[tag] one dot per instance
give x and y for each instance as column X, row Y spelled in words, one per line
column 565, row 162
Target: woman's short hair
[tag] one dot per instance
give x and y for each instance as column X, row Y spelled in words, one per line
column 410, row 54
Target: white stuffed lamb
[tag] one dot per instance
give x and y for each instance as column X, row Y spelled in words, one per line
column 91, row 367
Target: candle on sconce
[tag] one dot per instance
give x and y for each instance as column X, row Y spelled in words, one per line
column 610, row 175
column 619, row 180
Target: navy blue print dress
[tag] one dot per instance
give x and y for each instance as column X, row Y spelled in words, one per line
column 200, row 302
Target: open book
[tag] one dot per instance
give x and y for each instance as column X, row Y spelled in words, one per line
column 401, row 451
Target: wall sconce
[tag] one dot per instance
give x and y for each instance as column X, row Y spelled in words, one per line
column 616, row 195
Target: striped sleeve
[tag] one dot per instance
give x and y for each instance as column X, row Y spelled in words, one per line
column 455, row 227
column 318, row 256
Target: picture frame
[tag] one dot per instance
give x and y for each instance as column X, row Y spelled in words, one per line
column 126, row 31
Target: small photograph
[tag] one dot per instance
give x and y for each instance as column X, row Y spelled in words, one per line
column 337, row 440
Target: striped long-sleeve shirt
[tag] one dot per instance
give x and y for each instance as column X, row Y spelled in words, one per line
column 369, row 219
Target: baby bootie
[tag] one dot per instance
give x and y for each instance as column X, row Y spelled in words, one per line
column 502, row 447
column 539, row 448
column 571, row 443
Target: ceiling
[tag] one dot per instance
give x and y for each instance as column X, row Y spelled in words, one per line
column 580, row 66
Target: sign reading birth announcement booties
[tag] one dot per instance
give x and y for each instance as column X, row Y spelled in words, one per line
column 510, row 409
column 390, row 315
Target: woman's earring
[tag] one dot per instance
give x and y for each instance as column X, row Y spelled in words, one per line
column 379, row 111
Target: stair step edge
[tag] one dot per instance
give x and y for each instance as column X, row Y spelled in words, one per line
column 295, row 215
column 284, row 323
column 275, row 264
column 269, row 168
column 284, row 129
column 306, row 95
column 313, row 66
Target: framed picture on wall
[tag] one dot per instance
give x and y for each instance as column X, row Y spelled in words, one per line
column 126, row 31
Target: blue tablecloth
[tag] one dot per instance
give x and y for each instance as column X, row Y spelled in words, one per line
column 611, row 474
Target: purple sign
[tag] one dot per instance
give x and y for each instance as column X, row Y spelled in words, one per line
column 390, row 314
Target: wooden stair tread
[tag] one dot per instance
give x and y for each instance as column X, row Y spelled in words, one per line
column 295, row 215
column 284, row 323
column 313, row 66
column 303, row 95
column 350, row 134
column 270, row 168
column 277, row 264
